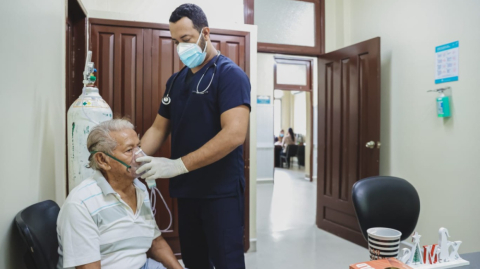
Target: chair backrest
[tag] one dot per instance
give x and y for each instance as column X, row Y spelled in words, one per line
column 38, row 228
column 301, row 150
column 389, row 202
column 291, row 150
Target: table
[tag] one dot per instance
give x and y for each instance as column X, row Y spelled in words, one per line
column 473, row 258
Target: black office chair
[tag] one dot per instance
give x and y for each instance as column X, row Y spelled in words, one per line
column 37, row 225
column 384, row 201
column 291, row 151
column 301, row 155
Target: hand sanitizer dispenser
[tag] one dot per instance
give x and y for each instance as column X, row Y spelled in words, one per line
column 443, row 103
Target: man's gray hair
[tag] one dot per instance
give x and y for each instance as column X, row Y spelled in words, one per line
column 100, row 140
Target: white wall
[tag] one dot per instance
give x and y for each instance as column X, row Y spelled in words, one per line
column 264, row 127
column 299, row 123
column 32, row 105
column 219, row 13
column 287, row 113
column 439, row 157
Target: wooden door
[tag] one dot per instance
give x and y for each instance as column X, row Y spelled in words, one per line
column 162, row 64
column 159, row 67
column 118, row 56
column 234, row 48
column 134, row 61
column 348, row 118
column 76, row 45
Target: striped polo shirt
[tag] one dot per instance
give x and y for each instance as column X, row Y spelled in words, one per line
column 96, row 224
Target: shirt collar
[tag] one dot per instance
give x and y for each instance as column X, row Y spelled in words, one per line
column 139, row 184
column 103, row 183
column 107, row 189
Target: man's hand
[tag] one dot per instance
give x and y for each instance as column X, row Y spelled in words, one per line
column 161, row 167
column 161, row 252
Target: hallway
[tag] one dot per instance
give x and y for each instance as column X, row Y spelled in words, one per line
column 287, row 236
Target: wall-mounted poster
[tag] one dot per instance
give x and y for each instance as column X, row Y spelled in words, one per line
column 263, row 99
column 446, row 63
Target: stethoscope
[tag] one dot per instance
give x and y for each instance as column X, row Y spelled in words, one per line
column 167, row 100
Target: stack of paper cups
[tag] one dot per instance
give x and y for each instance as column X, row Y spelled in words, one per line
column 383, row 243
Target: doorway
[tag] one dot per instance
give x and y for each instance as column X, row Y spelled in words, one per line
column 292, row 130
column 293, row 115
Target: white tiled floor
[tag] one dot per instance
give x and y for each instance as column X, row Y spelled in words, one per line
column 287, row 236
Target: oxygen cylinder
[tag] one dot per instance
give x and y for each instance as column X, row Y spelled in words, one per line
column 85, row 113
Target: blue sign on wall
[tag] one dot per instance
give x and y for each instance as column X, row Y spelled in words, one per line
column 263, row 99
column 446, row 62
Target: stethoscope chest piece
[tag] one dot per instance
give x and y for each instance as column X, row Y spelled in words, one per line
column 166, row 100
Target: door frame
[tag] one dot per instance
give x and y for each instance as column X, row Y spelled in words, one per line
column 308, row 88
column 76, row 53
column 246, row 35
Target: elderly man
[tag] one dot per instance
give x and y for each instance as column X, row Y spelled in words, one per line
column 106, row 221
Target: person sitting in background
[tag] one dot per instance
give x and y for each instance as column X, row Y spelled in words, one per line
column 280, row 138
column 289, row 139
column 107, row 221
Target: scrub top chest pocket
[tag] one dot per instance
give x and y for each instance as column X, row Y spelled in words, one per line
column 189, row 105
column 166, row 100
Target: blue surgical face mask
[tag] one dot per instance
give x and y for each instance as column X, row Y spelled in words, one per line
column 281, row 135
column 191, row 54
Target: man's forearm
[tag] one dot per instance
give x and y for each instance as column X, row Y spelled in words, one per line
column 93, row 265
column 162, row 252
column 233, row 134
column 215, row 149
column 152, row 140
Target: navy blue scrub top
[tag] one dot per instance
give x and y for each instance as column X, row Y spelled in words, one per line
column 195, row 119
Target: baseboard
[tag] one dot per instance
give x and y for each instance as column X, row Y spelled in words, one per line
column 253, row 245
column 265, row 180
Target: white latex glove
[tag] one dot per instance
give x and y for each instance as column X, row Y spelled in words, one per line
column 158, row 167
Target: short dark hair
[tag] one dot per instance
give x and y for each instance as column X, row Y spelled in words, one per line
column 193, row 12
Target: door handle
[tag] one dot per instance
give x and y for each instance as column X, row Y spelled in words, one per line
column 370, row 145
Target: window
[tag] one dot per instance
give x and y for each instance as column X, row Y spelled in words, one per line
column 298, row 27
column 292, row 73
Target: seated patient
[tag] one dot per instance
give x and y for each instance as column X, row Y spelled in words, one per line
column 106, row 221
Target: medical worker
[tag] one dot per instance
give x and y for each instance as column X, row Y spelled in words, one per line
column 206, row 109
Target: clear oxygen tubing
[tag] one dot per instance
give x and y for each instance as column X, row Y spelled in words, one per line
column 153, row 194
column 153, row 199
